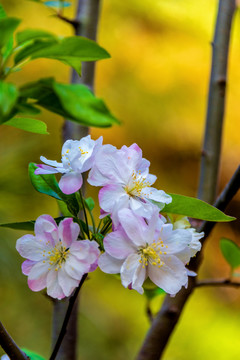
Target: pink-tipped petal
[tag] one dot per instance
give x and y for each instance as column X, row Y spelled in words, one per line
column 68, row 231
column 70, row 182
column 109, row 265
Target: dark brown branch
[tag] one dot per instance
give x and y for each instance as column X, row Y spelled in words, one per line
column 66, row 319
column 216, row 103
column 223, row 200
column 9, row 345
column 217, row 283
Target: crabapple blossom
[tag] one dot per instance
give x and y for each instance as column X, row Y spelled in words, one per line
column 77, row 157
column 126, row 181
column 55, row 259
column 138, row 249
column 182, row 222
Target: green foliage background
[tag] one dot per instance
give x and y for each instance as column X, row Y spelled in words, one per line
column 156, row 83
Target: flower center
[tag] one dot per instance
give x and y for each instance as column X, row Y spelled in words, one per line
column 136, row 184
column 57, row 256
column 150, row 255
column 82, row 151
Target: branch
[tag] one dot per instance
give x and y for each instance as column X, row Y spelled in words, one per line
column 222, row 201
column 9, row 345
column 216, row 103
column 217, row 283
column 73, row 22
column 66, row 319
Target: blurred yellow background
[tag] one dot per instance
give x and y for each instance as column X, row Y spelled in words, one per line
column 156, row 82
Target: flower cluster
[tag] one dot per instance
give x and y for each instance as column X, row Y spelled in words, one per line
column 143, row 243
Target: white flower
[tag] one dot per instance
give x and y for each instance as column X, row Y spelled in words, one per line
column 55, row 259
column 138, row 250
column 77, row 157
column 126, row 181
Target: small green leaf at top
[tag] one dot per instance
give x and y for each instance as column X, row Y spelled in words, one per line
column 231, row 252
column 28, row 124
column 57, row 4
column 195, row 208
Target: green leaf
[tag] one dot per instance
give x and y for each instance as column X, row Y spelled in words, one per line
column 8, row 98
column 32, row 34
column 32, row 355
column 73, row 47
column 28, row 50
column 81, row 104
column 63, row 208
column 27, row 124
column 90, row 203
column 47, row 184
column 28, row 225
column 195, row 208
column 75, row 102
column 2, row 12
column 43, row 183
column 26, row 108
column 7, row 28
column 231, row 252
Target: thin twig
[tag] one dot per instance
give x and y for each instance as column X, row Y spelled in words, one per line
column 149, row 312
column 74, row 22
column 9, row 345
column 217, row 283
column 66, row 319
column 84, row 212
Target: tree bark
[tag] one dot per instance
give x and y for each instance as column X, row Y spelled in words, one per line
column 216, row 103
column 86, row 24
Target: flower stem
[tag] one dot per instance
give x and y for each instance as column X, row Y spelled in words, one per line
column 85, row 213
column 66, row 319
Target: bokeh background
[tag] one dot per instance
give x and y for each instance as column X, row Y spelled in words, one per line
column 156, row 82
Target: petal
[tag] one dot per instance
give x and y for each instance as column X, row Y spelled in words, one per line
column 67, row 283
column 177, row 240
column 46, row 229
column 96, row 176
column 134, row 226
column 53, row 288
column 157, row 195
column 109, row 265
column 50, row 162
column 118, row 245
column 68, row 231
column 76, row 268
column 109, row 195
column 45, row 169
column 37, row 279
column 129, row 270
column 85, row 250
column 70, row 182
column 27, row 266
column 30, row 248
column 171, row 276
column 139, row 278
